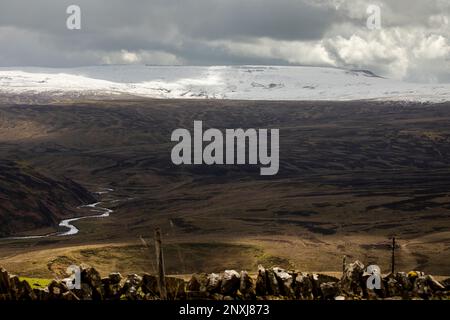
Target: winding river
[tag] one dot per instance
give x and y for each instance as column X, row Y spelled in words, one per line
column 68, row 223
column 103, row 213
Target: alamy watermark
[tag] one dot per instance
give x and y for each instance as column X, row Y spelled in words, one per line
column 73, row 21
column 374, row 19
column 229, row 148
column 373, row 22
column 74, row 280
column 374, row 279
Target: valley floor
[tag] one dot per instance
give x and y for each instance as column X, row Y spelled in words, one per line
column 352, row 175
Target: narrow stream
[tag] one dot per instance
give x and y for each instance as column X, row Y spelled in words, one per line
column 67, row 223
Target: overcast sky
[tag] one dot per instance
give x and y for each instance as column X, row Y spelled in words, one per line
column 413, row 43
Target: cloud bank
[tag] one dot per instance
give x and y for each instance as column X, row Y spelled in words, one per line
column 413, row 42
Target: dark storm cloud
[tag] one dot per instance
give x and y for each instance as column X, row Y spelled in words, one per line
column 179, row 27
column 210, row 19
column 286, row 20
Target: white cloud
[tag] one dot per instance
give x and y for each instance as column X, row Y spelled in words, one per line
column 379, row 50
column 293, row 52
column 139, row 57
column 398, row 53
column 432, row 47
column 438, row 21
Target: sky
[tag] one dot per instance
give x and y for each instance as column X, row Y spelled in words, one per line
column 412, row 43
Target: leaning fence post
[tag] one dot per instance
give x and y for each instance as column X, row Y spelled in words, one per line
column 393, row 256
column 160, row 265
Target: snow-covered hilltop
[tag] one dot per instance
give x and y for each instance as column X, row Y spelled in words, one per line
column 227, row 82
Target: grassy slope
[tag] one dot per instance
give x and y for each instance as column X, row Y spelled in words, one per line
column 352, row 175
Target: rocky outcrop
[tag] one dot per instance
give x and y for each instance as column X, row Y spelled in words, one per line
column 247, row 286
column 271, row 283
column 230, row 282
column 304, row 286
column 330, row 290
column 112, row 287
column 352, row 281
column 11, row 288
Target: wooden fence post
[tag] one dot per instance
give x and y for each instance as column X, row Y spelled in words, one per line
column 160, row 265
column 393, row 256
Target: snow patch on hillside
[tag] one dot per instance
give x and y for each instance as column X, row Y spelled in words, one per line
column 221, row 82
